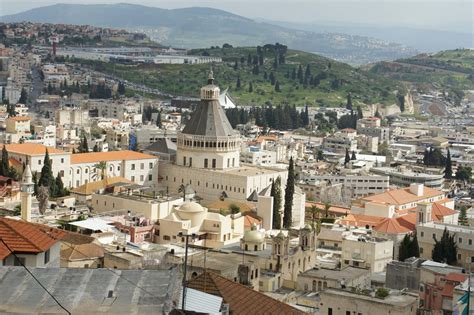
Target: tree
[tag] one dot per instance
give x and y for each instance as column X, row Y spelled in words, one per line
column 289, row 191
column 448, row 170
column 46, row 177
column 238, row 84
column 445, row 250
column 320, row 156
column 84, row 146
column 234, row 209
column 277, row 86
column 121, row 88
column 353, row 156
column 50, row 88
column 23, row 96
column 314, row 215
column 464, row 173
column 101, row 167
column 182, row 189
column 349, row 102
column 377, row 114
column 360, row 115
column 4, row 166
column 347, row 158
column 35, row 183
column 401, row 101
column 276, row 194
column 462, row 219
column 408, row 248
column 59, row 189
column 96, row 148
column 250, row 87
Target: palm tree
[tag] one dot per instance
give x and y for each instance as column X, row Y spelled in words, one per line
column 102, row 167
column 314, row 213
column 327, row 206
column 182, row 190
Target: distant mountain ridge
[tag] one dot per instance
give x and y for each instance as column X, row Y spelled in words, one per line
column 196, row 27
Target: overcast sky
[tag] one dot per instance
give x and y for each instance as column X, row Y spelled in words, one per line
column 457, row 15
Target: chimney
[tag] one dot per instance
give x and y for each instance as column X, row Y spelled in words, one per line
column 423, row 212
column 417, row 189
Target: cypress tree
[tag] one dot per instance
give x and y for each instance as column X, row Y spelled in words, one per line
column 238, row 84
column 347, row 158
column 23, row 96
column 46, row 177
column 448, row 170
column 35, row 183
column 300, row 73
column 250, row 87
column 59, row 189
column 445, row 250
column 353, row 157
column 293, row 74
column 462, row 220
column 349, row 102
column 414, row 247
column 277, row 86
column 404, row 248
column 276, row 194
column 84, row 145
column 289, row 191
column 96, row 148
column 4, row 166
column 360, row 115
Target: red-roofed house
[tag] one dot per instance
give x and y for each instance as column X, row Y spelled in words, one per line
column 35, row 245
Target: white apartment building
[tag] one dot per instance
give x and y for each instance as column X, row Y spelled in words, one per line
column 354, row 186
column 365, row 251
column 255, row 156
column 404, row 177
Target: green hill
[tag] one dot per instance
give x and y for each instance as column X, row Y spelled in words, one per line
column 451, row 70
column 322, row 81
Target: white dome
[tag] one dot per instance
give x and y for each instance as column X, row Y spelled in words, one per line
column 253, row 236
column 191, row 206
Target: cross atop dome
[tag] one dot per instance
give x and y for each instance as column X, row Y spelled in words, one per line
column 210, row 77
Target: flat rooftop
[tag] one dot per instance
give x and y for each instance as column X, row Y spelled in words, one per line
column 398, row 300
column 331, row 274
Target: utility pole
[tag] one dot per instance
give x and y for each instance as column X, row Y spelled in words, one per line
column 187, row 236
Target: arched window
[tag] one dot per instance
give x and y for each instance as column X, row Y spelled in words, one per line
column 246, row 247
column 314, row 285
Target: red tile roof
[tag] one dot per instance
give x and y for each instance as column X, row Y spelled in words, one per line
column 402, row 196
column 26, row 237
column 241, row 300
column 360, row 220
column 391, row 226
column 456, row 277
column 438, row 211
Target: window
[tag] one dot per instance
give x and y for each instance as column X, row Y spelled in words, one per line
column 77, row 171
column 62, row 160
column 39, row 162
column 133, row 167
column 329, row 311
column 86, row 171
column 213, row 163
column 142, row 178
column 132, row 178
column 142, row 166
column 150, row 165
column 184, row 160
column 206, row 162
column 470, row 242
column 150, row 177
column 166, row 237
column 422, row 233
column 421, row 250
column 348, row 312
column 460, row 240
column 190, row 161
column 46, row 257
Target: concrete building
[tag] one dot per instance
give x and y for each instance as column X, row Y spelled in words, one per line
column 364, row 251
column 344, row 302
column 404, row 177
column 317, row 280
column 137, row 167
column 370, row 126
column 340, row 142
column 255, row 156
column 212, row 230
column 404, row 274
column 354, row 186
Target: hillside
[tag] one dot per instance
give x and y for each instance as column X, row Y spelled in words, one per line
column 326, row 83
column 451, row 70
column 203, row 27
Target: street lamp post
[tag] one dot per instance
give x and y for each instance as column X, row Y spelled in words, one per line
column 187, row 236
